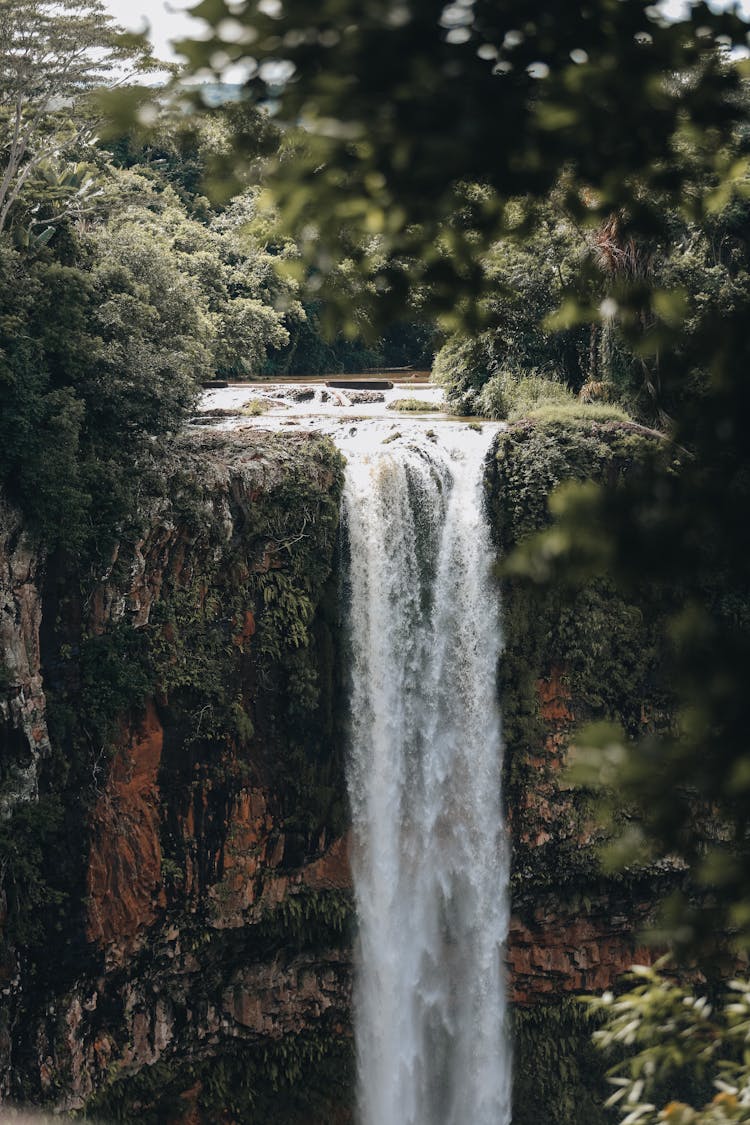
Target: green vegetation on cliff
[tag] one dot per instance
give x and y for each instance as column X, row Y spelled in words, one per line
column 558, row 1075
column 300, row 1079
column 604, row 645
column 238, row 647
column 578, row 651
column 259, row 609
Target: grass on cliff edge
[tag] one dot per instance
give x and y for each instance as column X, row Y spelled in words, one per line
column 574, row 412
column 414, row 406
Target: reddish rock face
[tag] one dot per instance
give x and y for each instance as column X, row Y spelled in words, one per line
column 554, row 698
column 250, row 849
column 554, row 946
column 563, row 940
column 562, row 949
column 543, row 813
column 274, row 1001
column 246, row 631
column 124, row 873
column 332, row 872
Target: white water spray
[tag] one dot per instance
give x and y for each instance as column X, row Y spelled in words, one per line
column 430, row 864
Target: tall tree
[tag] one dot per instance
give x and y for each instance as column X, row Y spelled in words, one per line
column 52, row 55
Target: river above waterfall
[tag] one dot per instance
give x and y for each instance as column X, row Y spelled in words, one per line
column 430, row 858
column 303, row 402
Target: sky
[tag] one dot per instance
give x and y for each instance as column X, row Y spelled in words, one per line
column 169, row 21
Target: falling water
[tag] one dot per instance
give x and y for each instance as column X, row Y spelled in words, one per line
column 431, row 869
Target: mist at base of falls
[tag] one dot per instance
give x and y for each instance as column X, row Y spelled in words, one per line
column 430, row 856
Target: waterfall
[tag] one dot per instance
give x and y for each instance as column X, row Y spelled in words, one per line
column 430, row 855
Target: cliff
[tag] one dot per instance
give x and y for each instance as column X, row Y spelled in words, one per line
column 574, row 654
column 174, row 853
column 177, row 912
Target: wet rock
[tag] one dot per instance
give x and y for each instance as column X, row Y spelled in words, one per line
column 299, row 394
column 567, row 947
column 24, row 739
column 362, row 398
column 124, row 870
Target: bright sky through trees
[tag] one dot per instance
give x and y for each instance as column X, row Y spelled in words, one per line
column 166, row 21
column 169, row 21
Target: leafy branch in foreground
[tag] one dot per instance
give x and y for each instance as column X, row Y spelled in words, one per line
column 402, row 105
column 667, row 1033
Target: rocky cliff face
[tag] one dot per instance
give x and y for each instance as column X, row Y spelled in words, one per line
column 574, row 655
column 25, row 740
column 177, row 918
column 176, row 857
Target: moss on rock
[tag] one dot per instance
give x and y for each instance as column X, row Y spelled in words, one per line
column 303, row 1079
column 558, row 1075
column 573, row 654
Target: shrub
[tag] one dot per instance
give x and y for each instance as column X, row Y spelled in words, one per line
column 598, row 391
column 512, row 395
column 256, row 406
column 413, row 405
column 578, row 412
column 462, row 367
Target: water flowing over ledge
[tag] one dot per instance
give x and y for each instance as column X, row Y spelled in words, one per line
column 431, row 863
column 431, row 857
